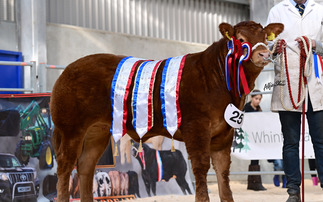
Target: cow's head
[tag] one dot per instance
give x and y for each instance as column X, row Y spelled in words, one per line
column 256, row 35
column 140, row 156
column 135, row 148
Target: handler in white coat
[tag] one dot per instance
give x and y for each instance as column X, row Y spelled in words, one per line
column 300, row 18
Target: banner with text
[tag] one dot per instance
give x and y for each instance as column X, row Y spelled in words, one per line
column 261, row 138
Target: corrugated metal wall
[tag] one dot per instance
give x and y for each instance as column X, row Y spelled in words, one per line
column 7, row 10
column 182, row 20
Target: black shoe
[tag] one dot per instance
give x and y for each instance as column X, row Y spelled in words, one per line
column 254, row 181
column 294, row 198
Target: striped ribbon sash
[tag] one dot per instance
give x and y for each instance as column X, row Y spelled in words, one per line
column 142, row 105
column 159, row 166
column 119, row 94
column 318, row 67
column 169, row 93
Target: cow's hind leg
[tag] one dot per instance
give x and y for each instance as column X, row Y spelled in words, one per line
column 67, row 149
column 147, row 181
column 221, row 161
column 153, row 187
column 95, row 142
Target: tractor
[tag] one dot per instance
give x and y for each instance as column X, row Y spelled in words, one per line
column 36, row 128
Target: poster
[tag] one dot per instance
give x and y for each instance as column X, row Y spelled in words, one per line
column 28, row 165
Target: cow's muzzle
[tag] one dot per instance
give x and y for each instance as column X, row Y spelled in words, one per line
column 268, row 58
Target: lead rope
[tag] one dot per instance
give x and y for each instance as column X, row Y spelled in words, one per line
column 305, row 71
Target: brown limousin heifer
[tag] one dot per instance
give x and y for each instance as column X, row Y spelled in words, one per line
column 82, row 112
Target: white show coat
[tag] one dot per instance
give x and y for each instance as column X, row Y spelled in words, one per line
column 295, row 25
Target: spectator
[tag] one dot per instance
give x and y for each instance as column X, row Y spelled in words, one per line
column 254, row 181
column 278, row 166
column 312, row 165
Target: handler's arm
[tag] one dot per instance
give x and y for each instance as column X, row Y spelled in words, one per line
column 318, row 48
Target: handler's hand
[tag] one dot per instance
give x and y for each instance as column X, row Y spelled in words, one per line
column 280, row 43
column 298, row 39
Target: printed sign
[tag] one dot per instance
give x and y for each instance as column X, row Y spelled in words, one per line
column 261, row 138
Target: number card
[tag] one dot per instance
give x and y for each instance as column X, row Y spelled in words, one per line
column 233, row 116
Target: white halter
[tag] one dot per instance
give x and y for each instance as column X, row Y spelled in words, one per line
column 259, row 44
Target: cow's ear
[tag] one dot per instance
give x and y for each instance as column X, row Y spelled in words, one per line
column 273, row 29
column 226, row 30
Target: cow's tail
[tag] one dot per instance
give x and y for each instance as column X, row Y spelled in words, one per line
column 56, row 140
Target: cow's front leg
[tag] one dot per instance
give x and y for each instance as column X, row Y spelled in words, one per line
column 221, row 161
column 197, row 143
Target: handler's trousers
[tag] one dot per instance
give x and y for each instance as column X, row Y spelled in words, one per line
column 291, row 129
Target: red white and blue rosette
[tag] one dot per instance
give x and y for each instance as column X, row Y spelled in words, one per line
column 245, row 46
column 228, row 61
column 318, row 67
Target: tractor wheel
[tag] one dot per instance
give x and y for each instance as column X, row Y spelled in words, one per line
column 23, row 158
column 46, row 156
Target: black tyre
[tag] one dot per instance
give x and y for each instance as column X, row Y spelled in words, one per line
column 49, row 187
column 21, row 156
column 46, row 160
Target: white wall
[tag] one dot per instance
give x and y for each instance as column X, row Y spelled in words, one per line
column 66, row 44
column 8, row 36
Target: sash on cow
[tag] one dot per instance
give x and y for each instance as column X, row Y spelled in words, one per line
column 169, row 94
column 142, row 105
column 119, row 94
column 142, row 96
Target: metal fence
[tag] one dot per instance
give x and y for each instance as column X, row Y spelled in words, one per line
column 181, row 20
column 32, row 66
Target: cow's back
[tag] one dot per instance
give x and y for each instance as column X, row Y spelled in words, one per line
column 82, row 83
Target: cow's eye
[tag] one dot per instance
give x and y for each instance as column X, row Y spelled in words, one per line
column 241, row 40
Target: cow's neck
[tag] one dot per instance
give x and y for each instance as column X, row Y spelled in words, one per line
column 213, row 59
column 252, row 72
